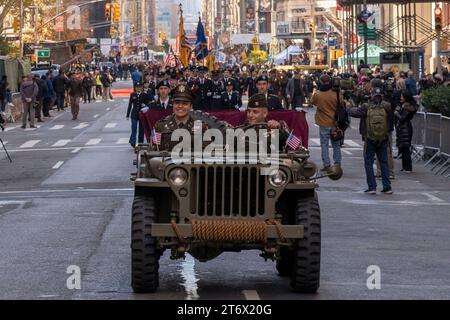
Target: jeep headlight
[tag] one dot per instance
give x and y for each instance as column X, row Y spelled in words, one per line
column 178, row 176
column 278, row 178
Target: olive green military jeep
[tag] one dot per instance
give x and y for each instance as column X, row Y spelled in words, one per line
column 206, row 209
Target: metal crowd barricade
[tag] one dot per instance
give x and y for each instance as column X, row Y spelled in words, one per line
column 445, row 146
column 433, row 134
column 418, row 138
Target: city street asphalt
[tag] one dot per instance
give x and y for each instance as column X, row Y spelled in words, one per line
column 66, row 201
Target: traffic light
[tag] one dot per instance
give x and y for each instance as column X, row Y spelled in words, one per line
column 438, row 19
column 133, row 28
column 116, row 12
column 16, row 24
column 311, row 25
column 107, row 11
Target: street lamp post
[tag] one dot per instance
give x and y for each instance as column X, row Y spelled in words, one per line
column 21, row 30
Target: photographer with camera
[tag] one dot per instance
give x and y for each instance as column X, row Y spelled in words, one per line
column 326, row 100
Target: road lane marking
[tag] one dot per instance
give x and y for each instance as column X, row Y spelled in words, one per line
column 58, row 165
column 432, row 197
column 5, row 142
column 352, row 143
column 32, row 129
column 316, row 141
column 61, row 143
column 107, row 109
column 346, row 152
column 251, row 295
column 189, row 278
column 81, row 126
column 11, row 128
column 93, row 142
column 96, row 116
column 396, row 203
column 57, row 127
column 76, row 150
column 111, row 125
column 66, row 190
column 315, row 125
column 30, row 144
column 122, row 141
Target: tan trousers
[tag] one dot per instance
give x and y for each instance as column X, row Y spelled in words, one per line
column 106, row 93
column 75, row 105
column 28, row 109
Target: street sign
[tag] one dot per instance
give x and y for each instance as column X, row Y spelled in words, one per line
column 371, row 32
column 59, row 24
column 43, row 53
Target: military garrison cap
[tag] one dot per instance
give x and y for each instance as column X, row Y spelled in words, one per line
column 163, row 83
column 182, row 93
column 258, row 101
column 262, row 78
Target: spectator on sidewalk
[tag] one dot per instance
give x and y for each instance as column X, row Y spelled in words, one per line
column 411, row 84
column 98, row 84
column 48, row 96
column 107, row 80
column 28, row 91
column 87, row 84
column 375, row 132
column 3, row 93
column 59, row 86
column 325, row 99
column 39, row 103
column 403, row 116
column 75, row 94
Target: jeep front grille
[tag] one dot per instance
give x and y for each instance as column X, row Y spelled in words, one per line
column 227, row 191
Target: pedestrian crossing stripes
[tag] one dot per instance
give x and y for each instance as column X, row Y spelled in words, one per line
column 10, row 128
column 348, row 143
column 61, row 143
column 32, row 129
column 96, row 116
column 111, row 125
column 81, row 126
column 352, row 143
column 122, row 141
column 57, row 127
column 58, row 165
column 29, row 144
column 93, row 142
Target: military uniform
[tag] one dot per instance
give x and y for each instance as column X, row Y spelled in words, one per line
column 202, row 90
column 217, row 88
column 231, row 101
column 274, row 102
column 136, row 103
column 169, row 124
column 259, row 101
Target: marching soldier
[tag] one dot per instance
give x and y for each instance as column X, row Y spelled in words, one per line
column 136, row 103
column 202, row 91
column 231, row 100
column 163, row 100
column 180, row 119
column 250, row 84
column 217, row 88
column 262, row 83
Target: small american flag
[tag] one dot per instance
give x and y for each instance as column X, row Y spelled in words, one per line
column 156, row 137
column 293, row 141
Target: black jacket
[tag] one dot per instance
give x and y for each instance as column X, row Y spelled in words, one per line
column 274, row 102
column 202, row 94
column 156, row 105
column 403, row 126
column 231, row 104
column 59, row 83
column 250, row 86
column 136, row 103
